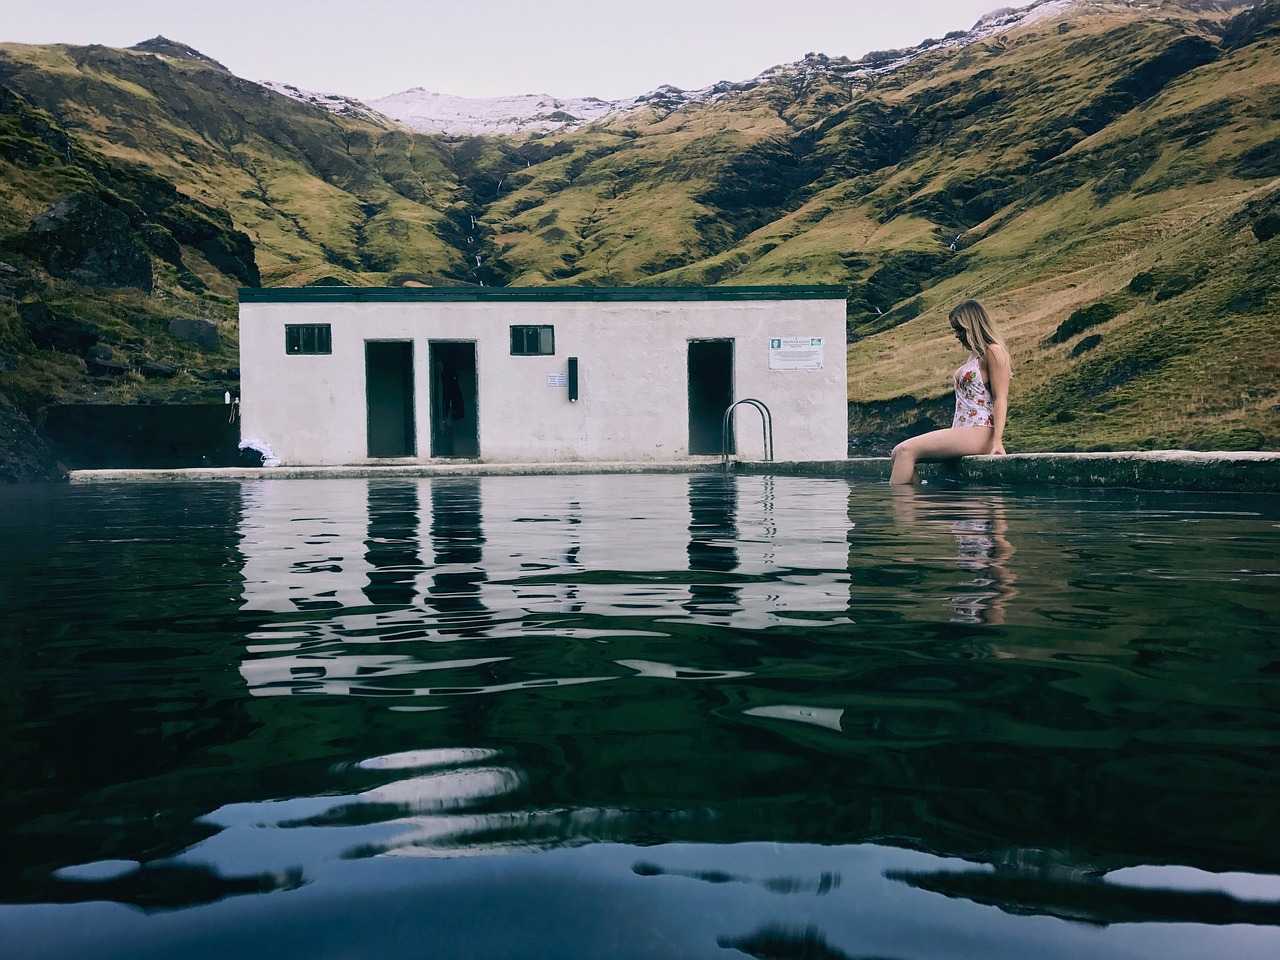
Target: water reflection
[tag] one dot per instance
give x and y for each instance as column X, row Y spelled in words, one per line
column 457, row 540
column 493, row 562
column 713, row 505
column 821, row 886
column 296, row 554
column 160, row 885
column 780, row 715
column 974, row 530
column 1069, row 893
column 391, row 548
column 771, row 942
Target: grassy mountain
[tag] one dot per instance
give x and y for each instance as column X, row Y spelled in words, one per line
column 169, row 183
column 1106, row 179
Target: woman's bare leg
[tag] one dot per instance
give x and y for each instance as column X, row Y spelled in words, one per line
column 937, row 445
column 904, row 465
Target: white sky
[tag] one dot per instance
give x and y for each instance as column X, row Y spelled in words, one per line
column 482, row 48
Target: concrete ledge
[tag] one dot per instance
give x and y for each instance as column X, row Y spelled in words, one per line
column 1257, row 472
column 392, row 470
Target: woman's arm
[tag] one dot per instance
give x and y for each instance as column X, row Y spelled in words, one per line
column 999, row 372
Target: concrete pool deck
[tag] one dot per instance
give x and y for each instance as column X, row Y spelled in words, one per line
column 1248, row 472
column 1251, row 472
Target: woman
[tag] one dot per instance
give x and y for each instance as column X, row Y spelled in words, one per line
column 982, row 399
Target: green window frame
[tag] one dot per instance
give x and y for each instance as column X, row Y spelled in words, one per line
column 307, row 338
column 533, row 340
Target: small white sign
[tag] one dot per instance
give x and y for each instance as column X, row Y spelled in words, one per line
column 557, row 379
column 795, row 353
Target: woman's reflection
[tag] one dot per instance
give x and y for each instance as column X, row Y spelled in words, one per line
column 977, row 527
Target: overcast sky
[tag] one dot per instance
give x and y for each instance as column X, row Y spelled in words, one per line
column 482, row 48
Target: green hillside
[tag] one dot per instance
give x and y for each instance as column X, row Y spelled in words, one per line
column 1107, row 180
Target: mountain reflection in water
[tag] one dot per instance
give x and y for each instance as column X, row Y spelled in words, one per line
column 742, row 715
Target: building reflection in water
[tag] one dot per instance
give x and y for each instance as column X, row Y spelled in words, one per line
column 713, row 534
column 303, row 554
column 354, row 577
column 391, row 547
column 457, row 542
column 761, row 560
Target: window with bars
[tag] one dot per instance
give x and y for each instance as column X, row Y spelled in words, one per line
column 301, row 338
column 533, row 341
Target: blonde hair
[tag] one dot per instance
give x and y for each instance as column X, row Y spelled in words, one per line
column 980, row 332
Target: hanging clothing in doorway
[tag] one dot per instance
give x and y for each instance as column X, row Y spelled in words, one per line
column 452, row 405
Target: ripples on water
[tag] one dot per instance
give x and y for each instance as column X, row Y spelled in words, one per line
column 642, row 715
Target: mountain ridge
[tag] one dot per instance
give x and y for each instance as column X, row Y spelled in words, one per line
column 427, row 111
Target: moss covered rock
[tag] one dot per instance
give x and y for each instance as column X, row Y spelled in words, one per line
column 82, row 238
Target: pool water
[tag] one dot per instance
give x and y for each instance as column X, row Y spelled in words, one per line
column 637, row 716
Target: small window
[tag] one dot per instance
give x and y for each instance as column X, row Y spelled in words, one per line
column 533, row 341
column 307, row 338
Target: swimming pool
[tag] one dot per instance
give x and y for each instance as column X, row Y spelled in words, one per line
column 638, row 715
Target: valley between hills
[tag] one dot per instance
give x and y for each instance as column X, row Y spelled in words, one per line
column 1105, row 176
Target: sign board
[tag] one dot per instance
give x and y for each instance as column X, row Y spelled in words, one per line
column 557, row 379
column 795, row 353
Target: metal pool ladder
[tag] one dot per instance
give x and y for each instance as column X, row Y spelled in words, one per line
column 766, row 427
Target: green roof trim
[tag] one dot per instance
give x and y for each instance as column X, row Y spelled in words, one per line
column 532, row 294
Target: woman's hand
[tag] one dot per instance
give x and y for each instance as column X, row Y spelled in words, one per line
column 997, row 449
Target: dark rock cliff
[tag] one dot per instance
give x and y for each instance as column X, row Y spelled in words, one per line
column 24, row 456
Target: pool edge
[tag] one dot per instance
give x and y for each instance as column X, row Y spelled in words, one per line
column 1228, row 471
column 1251, row 471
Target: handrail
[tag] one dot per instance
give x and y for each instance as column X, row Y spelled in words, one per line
column 766, row 428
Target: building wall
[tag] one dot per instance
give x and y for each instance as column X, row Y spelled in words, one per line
column 633, row 378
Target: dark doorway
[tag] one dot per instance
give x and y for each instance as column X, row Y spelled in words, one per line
column 455, row 428
column 388, row 385
column 710, row 394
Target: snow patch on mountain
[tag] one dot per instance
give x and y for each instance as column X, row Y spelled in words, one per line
column 877, row 64
column 429, row 112
column 1008, row 18
column 333, row 102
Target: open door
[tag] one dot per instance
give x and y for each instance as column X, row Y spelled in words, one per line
column 455, row 426
column 388, row 384
column 710, row 394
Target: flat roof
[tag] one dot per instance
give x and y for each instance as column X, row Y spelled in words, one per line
column 533, row 294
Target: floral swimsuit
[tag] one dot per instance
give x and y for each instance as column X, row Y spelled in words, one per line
column 974, row 407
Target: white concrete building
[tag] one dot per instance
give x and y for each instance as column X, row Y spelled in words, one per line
column 366, row 375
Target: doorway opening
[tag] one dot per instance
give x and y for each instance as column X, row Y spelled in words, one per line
column 455, row 426
column 710, row 395
column 388, row 379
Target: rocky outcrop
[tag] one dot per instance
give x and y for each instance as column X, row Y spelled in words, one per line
column 164, row 47
column 39, row 141
column 24, row 456
column 82, row 238
column 48, row 331
column 203, row 333
column 212, row 232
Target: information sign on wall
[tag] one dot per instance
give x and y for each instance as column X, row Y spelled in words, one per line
column 795, row 353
